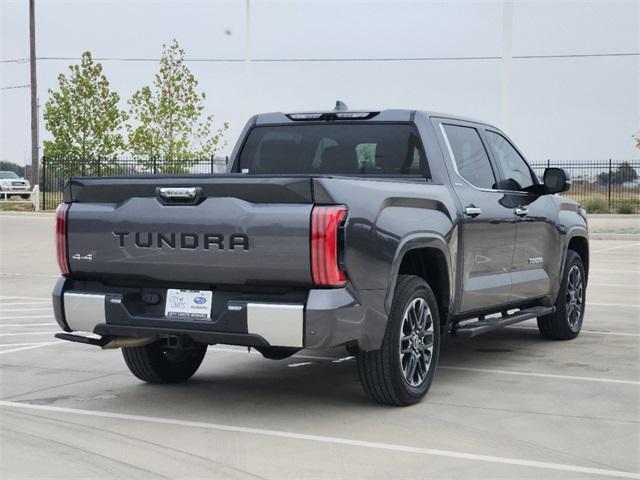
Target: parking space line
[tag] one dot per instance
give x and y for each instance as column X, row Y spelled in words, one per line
column 624, row 305
column 37, row 309
column 470, row 369
column 13, row 304
column 26, row 333
column 541, row 375
column 606, row 249
column 301, row 364
column 615, row 285
column 11, row 297
column 39, row 345
column 590, row 332
column 325, row 439
column 27, row 324
column 14, row 317
column 41, row 275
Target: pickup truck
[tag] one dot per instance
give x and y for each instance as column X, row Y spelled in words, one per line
column 379, row 232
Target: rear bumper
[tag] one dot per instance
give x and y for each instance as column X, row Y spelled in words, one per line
column 313, row 319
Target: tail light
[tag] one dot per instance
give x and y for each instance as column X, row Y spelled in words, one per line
column 325, row 248
column 61, row 238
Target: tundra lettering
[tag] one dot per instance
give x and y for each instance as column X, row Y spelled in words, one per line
column 211, row 241
column 378, row 232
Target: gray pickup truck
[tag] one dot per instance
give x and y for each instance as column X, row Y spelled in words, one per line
column 376, row 231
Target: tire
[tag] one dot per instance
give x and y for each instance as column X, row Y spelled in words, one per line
column 385, row 374
column 154, row 363
column 565, row 323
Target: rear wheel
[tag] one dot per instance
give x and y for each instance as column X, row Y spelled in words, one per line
column 401, row 371
column 565, row 323
column 158, row 363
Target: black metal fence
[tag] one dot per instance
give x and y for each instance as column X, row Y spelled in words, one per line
column 54, row 172
column 609, row 186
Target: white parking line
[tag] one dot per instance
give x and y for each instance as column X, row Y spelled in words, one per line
column 615, row 285
column 37, row 309
column 469, row 369
column 623, row 305
column 325, row 439
column 540, row 375
column 590, row 332
column 40, row 345
column 301, row 364
column 41, row 275
column 13, row 304
column 27, row 324
column 616, row 247
column 6, row 345
column 14, row 317
column 11, row 297
column 26, row 333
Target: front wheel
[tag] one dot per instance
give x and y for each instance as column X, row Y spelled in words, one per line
column 565, row 323
column 401, row 371
column 158, row 363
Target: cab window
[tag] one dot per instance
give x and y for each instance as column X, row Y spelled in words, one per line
column 472, row 161
column 516, row 174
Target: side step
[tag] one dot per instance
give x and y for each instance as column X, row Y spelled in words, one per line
column 488, row 324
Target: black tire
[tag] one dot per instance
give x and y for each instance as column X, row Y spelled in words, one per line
column 383, row 372
column 154, row 363
column 565, row 323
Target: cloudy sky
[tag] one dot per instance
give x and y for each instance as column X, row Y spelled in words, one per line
column 574, row 88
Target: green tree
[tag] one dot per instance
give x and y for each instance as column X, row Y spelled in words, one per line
column 171, row 128
column 84, row 119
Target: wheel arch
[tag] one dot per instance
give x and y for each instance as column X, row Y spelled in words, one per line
column 580, row 245
column 427, row 257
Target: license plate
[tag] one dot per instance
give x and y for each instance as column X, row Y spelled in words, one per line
column 188, row 303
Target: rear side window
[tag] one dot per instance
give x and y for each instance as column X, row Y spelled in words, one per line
column 472, row 161
column 334, row 148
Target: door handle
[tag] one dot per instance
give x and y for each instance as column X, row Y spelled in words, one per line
column 472, row 211
column 521, row 212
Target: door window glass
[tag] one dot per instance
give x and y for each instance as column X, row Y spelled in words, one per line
column 515, row 171
column 472, row 161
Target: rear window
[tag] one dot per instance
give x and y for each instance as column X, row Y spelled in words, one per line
column 336, row 148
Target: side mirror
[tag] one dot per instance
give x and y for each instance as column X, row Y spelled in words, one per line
column 556, row 180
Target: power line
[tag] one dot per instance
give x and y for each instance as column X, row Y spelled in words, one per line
column 15, row 86
column 351, row 59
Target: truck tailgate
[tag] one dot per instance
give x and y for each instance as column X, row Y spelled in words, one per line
column 236, row 232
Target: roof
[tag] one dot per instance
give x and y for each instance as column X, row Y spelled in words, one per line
column 386, row 115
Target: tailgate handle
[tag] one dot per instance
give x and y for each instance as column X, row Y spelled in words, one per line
column 179, row 195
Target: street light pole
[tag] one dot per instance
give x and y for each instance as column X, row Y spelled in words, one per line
column 34, row 94
column 507, row 59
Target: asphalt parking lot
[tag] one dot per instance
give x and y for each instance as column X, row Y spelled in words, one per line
column 504, row 405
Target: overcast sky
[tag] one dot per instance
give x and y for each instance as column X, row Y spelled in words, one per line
column 575, row 108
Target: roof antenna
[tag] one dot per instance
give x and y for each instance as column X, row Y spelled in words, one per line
column 340, row 106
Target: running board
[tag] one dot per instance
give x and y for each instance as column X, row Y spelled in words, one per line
column 488, row 324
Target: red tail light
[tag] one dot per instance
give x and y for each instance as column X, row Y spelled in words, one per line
column 325, row 225
column 61, row 238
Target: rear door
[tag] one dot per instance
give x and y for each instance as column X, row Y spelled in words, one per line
column 487, row 225
column 537, row 238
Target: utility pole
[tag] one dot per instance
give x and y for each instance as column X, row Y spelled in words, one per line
column 34, row 94
column 507, row 59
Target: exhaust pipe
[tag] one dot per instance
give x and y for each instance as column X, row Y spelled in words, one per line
column 128, row 342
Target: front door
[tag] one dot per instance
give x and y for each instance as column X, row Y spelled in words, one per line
column 487, row 227
column 537, row 238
